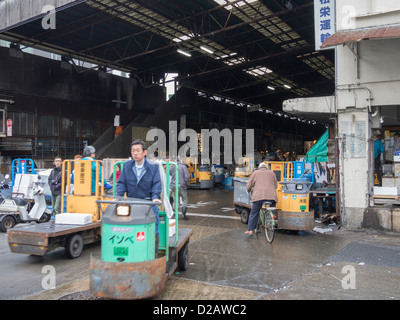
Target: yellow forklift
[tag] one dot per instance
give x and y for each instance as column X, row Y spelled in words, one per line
column 201, row 176
column 245, row 167
column 293, row 212
column 292, row 208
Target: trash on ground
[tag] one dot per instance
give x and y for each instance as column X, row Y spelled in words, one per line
column 322, row 230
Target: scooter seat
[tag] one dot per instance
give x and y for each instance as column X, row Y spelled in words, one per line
column 21, row 201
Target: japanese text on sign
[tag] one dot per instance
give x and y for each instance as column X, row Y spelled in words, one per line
column 354, row 136
column 121, row 239
column 324, row 17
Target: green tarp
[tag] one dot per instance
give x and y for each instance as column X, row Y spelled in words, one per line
column 319, row 151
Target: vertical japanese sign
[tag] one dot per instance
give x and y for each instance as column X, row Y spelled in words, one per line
column 324, row 21
column 354, row 136
column 9, row 127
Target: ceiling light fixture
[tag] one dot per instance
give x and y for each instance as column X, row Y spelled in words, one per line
column 184, row 53
column 206, row 50
column 287, row 86
column 271, row 88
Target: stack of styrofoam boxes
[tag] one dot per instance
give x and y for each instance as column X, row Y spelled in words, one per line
column 390, row 185
column 391, row 173
column 382, row 192
column 392, row 182
column 396, row 170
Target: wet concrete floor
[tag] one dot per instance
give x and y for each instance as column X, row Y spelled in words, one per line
column 225, row 264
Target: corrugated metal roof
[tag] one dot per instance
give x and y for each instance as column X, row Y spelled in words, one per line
column 258, row 51
column 355, row 35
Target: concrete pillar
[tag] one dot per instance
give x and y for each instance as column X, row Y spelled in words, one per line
column 355, row 164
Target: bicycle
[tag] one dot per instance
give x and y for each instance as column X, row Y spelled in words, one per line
column 266, row 220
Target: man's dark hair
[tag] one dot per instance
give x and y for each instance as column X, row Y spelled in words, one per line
column 57, row 157
column 141, row 142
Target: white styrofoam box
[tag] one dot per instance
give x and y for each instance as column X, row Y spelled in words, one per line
column 396, row 158
column 172, row 226
column 74, row 218
column 386, row 191
column 390, row 182
column 396, row 169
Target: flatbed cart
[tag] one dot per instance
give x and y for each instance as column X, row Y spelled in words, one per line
column 129, row 267
column 39, row 239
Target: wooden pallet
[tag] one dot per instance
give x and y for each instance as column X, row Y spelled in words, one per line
column 386, row 197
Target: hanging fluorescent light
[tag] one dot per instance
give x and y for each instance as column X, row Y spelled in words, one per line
column 206, row 50
column 184, row 53
column 271, row 88
column 287, row 86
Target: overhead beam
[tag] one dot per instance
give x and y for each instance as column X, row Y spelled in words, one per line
column 172, row 45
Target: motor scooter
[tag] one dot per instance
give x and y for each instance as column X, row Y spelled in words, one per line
column 24, row 207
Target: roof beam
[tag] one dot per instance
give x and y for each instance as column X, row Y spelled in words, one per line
column 196, row 37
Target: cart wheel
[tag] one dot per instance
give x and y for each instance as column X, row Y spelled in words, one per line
column 244, row 215
column 74, row 246
column 7, row 223
column 183, row 258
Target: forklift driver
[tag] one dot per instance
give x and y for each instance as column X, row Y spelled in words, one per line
column 140, row 178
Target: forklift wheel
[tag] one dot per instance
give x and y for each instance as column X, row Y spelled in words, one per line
column 183, row 258
column 7, row 223
column 74, row 246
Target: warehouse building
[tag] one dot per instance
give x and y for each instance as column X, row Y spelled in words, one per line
column 104, row 72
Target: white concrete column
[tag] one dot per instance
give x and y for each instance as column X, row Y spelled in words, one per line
column 356, row 165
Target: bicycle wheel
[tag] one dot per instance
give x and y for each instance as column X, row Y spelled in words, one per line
column 260, row 221
column 269, row 225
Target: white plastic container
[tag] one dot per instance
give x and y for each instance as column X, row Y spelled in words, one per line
column 73, row 218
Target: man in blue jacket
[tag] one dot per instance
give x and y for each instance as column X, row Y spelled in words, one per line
column 141, row 179
column 378, row 150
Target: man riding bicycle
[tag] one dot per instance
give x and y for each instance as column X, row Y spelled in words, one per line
column 263, row 185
